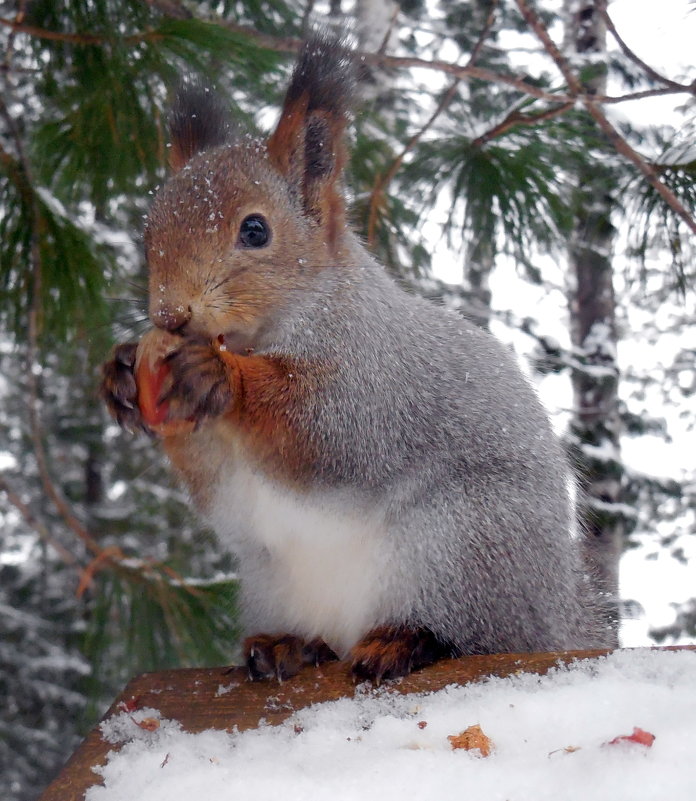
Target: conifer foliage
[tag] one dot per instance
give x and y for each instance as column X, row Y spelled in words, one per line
column 470, row 107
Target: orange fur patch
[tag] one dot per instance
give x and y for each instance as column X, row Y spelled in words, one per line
column 286, row 144
column 267, row 391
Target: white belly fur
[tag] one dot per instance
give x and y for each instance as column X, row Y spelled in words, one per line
column 311, row 565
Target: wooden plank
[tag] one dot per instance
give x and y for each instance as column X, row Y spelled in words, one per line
column 220, row 698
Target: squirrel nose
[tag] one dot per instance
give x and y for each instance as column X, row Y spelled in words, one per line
column 173, row 319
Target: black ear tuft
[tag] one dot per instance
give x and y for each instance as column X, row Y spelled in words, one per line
column 198, row 121
column 308, row 146
column 326, row 71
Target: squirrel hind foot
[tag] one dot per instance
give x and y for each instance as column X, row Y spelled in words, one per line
column 390, row 652
column 282, row 656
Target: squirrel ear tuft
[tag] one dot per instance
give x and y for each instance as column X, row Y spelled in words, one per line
column 308, row 146
column 198, row 121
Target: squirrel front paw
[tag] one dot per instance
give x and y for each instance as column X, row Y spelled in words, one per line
column 166, row 384
column 199, row 386
column 118, row 388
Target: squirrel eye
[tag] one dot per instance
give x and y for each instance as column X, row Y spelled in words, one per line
column 254, row 232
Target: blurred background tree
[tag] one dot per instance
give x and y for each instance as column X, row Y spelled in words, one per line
column 484, row 140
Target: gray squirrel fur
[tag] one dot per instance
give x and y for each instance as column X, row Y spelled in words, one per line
column 437, row 496
column 431, row 421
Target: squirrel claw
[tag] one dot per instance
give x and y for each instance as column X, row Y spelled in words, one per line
column 316, row 652
column 282, row 656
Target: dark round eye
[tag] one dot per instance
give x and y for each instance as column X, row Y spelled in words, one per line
column 254, row 232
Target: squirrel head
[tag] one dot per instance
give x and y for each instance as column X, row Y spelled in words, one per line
column 244, row 225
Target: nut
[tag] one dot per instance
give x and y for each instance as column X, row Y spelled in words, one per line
column 151, row 377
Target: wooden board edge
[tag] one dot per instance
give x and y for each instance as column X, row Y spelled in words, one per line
column 203, row 698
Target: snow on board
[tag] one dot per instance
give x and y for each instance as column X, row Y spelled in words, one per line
column 615, row 728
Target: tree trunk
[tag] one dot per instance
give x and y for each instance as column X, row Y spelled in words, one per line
column 479, row 258
column 596, row 424
column 478, row 267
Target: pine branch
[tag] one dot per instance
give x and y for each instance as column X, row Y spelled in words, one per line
column 14, row 167
column 105, row 558
column 18, row 26
column 291, row 45
column 515, row 118
column 9, row 50
column 35, row 425
column 490, row 76
column 267, row 41
column 387, row 36
column 593, row 105
column 20, row 172
column 485, row 33
column 34, row 523
column 647, row 69
column 383, row 180
column 613, row 100
column 459, row 71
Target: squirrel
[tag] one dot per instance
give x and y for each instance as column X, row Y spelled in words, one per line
column 383, row 471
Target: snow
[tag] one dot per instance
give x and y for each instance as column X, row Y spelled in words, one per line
column 671, row 583
column 549, row 734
